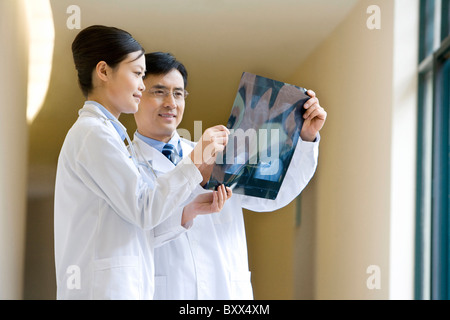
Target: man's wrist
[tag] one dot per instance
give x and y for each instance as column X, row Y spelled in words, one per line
column 308, row 138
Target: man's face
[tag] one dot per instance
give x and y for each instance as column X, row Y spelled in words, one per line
column 162, row 106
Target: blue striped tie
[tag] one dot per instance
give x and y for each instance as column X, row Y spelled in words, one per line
column 169, row 151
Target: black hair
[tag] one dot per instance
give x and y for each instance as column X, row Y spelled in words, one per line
column 100, row 43
column 158, row 63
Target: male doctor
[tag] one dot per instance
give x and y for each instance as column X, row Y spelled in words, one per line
column 210, row 260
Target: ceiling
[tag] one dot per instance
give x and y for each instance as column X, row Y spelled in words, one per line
column 272, row 35
column 217, row 40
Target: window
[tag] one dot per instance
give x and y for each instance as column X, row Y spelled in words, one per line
column 432, row 274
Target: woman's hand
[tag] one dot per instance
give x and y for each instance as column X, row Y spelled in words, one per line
column 204, row 155
column 206, row 203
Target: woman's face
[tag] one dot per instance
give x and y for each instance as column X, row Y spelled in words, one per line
column 125, row 85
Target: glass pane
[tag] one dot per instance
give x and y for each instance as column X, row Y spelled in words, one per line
column 445, row 19
column 440, row 224
column 426, row 28
column 425, row 189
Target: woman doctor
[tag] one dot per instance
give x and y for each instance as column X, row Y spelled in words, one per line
column 106, row 215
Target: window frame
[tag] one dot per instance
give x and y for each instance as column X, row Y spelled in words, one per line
column 437, row 287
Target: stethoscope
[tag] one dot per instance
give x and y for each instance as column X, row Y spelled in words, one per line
column 133, row 154
column 147, row 164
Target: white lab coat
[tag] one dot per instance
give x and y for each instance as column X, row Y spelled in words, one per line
column 108, row 218
column 210, row 260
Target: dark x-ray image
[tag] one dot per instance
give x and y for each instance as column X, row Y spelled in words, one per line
column 264, row 124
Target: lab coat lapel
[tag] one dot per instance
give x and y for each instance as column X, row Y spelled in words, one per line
column 158, row 161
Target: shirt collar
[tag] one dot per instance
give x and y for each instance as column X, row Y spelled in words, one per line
column 158, row 145
column 110, row 116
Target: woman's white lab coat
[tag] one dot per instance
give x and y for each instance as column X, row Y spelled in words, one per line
column 106, row 213
column 210, row 260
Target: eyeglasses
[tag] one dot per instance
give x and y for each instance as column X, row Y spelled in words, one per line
column 163, row 93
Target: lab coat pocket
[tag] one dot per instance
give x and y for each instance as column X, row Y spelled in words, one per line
column 221, row 217
column 160, row 288
column 241, row 286
column 224, row 216
column 117, row 278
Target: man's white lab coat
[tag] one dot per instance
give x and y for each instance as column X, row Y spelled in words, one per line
column 210, row 260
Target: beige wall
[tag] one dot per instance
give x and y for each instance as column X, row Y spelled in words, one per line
column 13, row 147
column 351, row 73
column 270, row 246
column 364, row 188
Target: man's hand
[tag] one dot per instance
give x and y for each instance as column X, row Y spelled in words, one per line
column 314, row 118
column 206, row 203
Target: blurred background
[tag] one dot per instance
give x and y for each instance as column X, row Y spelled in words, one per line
column 354, row 231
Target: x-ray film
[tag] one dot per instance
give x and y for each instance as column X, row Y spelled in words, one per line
column 264, row 124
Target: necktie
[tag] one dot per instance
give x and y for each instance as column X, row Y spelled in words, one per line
column 169, row 151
